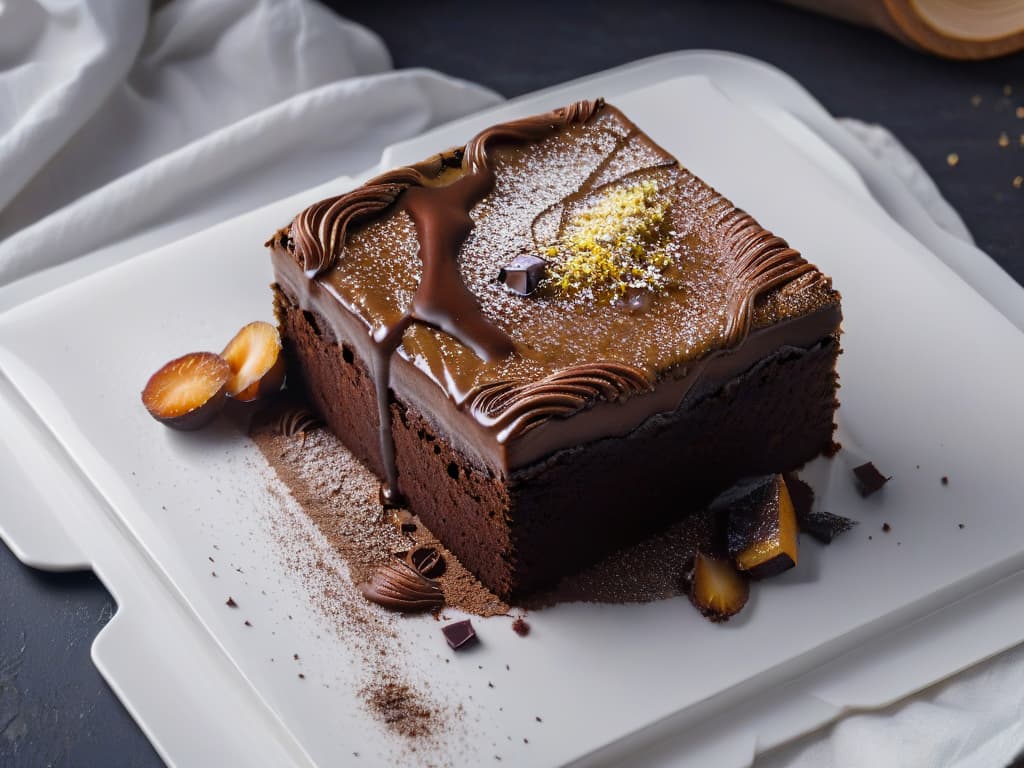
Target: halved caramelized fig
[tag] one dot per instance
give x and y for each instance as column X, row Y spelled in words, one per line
column 762, row 532
column 257, row 365
column 188, row 392
column 717, row 589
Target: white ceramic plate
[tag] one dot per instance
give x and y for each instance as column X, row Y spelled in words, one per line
column 78, row 356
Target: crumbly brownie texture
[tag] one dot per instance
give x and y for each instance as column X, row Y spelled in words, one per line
column 513, row 423
column 523, row 532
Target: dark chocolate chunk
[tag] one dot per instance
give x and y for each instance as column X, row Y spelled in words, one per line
column 459, row 634
column 524, row 274
column 801, row 494
column 401, row 587
column 428, row 561
column 230, row 603
column 520, row 626
column 824, row 526
column 869, row 478
column 886, row 527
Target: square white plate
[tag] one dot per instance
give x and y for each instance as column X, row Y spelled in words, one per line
column 930, row 379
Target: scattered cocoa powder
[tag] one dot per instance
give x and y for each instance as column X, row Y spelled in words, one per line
column 342, row 498
column 400, row 707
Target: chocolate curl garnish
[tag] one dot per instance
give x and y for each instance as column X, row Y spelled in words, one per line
column 400, row 587
column 296, row 421
column 427, row 561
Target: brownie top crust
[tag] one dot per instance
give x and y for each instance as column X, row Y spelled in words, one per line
column 634, row 280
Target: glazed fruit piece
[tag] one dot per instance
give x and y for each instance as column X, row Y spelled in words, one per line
column 717, row 589
column 257, row 366
column 188, row 392
column 762, row 530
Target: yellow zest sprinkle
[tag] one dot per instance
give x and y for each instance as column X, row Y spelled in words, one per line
column 1018, row 182
column 1004, row 140
column 952, row 159
column 618, row 242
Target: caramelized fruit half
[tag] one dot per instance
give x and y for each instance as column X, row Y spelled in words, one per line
column 188, row 392
column 257, row 366
column 717, row 589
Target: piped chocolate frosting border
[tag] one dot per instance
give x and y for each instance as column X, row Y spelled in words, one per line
column 509, row 409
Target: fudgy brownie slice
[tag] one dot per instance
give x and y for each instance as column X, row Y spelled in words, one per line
column 554, row 340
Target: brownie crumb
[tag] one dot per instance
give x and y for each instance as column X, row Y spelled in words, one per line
column 945, row 480
column 961, row 526
column 295, row 656
column 248, row 623
column 230, row 603
column 301, row 676
column 886, row 527
column 869, row 479
column 521, row 627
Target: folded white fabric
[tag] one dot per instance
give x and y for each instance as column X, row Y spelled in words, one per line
column 112, row 123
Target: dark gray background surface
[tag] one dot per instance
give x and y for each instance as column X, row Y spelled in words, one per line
column 54, row 707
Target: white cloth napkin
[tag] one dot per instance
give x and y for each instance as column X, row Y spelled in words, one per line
column 113, row 123
column 120, row 131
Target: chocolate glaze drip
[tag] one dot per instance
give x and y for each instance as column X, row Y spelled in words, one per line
column 515, row 408
column 442, row 218
column 401, row 587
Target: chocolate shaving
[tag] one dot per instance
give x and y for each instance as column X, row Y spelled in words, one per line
column 459, row 634
column 427, row 561
column 869, row 478
column 824, row 526
column 401, row 587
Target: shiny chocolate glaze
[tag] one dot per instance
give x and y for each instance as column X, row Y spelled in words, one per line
column 405, row 268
